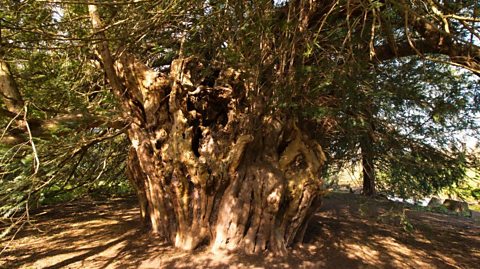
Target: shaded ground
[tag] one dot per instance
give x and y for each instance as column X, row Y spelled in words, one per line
column 349, row 232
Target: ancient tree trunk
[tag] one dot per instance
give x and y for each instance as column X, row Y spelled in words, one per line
column 368, row 173
column 138, row 180
column 212, row 171
column 213, row 165
column 366, row 146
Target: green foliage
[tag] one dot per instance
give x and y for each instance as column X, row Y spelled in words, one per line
column 66, row 172
column 418, row 172
column 431, row 107
column 397, row 216
column 411, row 116
column 442, row 210
column 467, row 189
column 475, row 193
column 48, row 50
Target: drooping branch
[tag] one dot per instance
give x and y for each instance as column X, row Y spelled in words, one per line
column 423, row 36
column 41, row 128
column 432, row 37
column 59, row 125
column 462, row 54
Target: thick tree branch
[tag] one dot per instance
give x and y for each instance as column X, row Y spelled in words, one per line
column 104, row 51
column 131, row 108
column 61, row 125
column 465, row 55
column 433, row 39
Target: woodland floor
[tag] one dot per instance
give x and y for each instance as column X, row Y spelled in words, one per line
column 349, row 232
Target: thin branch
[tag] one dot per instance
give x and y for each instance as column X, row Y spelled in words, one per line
column 36, row 163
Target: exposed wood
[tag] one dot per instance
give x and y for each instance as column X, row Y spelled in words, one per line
column 368, row 170
column 8, row 90
column 138, row 179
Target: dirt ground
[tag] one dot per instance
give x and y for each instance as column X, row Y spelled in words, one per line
column 349, row 232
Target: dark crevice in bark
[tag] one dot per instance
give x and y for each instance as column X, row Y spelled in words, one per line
column 197, row 137
column 282, row 146
column 209, row 80
column 158, row 144
column 149, row 150
column 368, row 173
column 248, row 223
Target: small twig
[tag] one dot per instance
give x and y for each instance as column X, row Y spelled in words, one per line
column 36, row 163
column 16, row 232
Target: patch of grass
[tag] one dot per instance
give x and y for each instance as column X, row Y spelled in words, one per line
column 441, row 210
column 397, row 216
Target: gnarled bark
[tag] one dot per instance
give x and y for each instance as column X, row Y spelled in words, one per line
column 8, row 90
column 213, row 166
column 210, row 169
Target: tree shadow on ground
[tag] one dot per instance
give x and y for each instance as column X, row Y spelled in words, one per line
column 348, row 232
